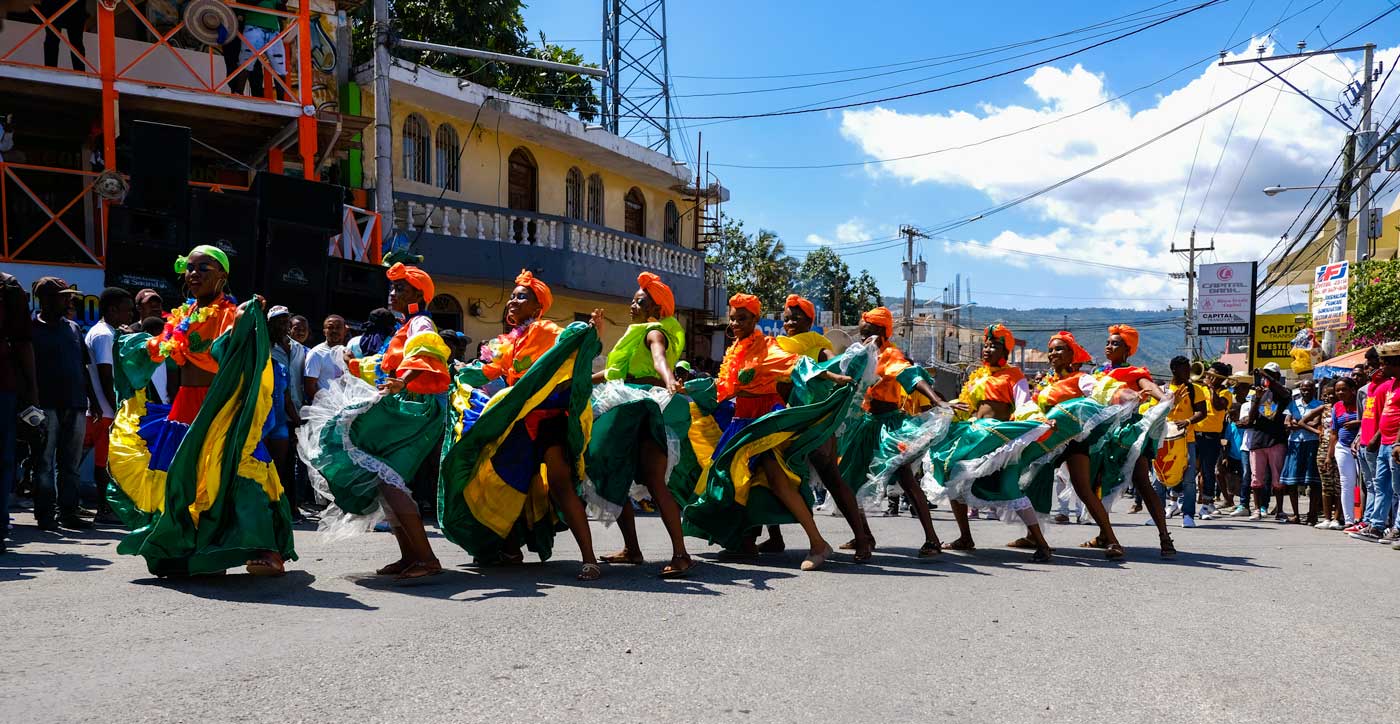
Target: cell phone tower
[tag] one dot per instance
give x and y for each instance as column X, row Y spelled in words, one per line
column 637, row 91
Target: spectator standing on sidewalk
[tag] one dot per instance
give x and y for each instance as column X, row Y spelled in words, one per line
column 59, row 361
column 1300, row 457
column 1266, row 436
column 1368, row 378
column 1210, row 433
column 1188, row 408
column 289, row 364
column 323, row 362
column 1384, row 409
column 17, row 390
column 115, row 307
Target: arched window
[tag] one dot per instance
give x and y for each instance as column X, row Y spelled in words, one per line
column 524, row 181
column 417, row 150
column 635, row 216
column 448, row 158
column 595, row 199
column 671, row 234
column 573, row 194
column 446, row 312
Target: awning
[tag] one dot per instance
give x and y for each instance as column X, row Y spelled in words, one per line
column 1340, row 365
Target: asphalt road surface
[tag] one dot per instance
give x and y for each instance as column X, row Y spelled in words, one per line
column 1253, row 622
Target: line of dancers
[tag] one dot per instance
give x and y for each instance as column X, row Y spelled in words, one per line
column 534, row 441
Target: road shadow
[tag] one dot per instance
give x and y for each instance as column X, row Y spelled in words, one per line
column 293, row 589
column 19, row 565
column 471, row 583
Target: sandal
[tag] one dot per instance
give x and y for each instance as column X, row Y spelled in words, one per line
column 864, row 552
column 1113, row 551
column 1023, row 543
column 1042, row 555
column 269, row 565
column 623, row 558
column 671, row 570
column 393, row 569
column 1168, row 550
column 417, row 571
column 589, row 572
column 931, row 548
column 849, row 545
column 960, row 544
column 1094, row 543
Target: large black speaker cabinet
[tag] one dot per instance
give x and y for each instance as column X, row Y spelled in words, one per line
column 160, row 168
column 295, row 200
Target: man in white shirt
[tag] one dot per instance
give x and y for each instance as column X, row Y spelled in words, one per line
column 114, row 306
column 323, row 362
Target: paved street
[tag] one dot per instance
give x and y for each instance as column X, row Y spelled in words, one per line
column 1253, row 622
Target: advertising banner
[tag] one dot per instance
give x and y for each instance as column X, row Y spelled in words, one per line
column 1226, row 299
column 88, row 281
column 1273, row 340
column 1329, row 296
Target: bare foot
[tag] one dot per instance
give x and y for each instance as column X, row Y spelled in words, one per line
column 625, row 557
column 1022, row 543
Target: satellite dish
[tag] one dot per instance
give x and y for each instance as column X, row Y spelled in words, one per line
column 210, row 22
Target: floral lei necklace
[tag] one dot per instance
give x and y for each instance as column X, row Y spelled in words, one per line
column 176, row 339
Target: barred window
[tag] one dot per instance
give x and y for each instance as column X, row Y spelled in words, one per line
column 573, row 194
column 417, row 150
column 448, row 158
column 595, row 199
column 635, row 221
column 672, row 233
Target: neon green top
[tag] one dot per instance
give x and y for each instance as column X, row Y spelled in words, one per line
column 630, row 357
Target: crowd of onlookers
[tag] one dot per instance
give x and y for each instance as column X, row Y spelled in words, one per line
column 59, row 396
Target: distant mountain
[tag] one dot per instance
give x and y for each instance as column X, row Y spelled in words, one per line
column 1161, row 330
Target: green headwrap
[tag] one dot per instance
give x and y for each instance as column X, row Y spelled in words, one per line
column 183, row 262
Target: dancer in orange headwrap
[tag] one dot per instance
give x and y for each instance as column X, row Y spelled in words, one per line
column 762, row 457
column 367, row 434
column 1125, row 454
column 641, row 425
column 799, row 314
column 492, row 497
column 883, row 444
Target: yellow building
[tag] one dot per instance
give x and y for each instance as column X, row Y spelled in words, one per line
column 1298, row 267
column 486, row 184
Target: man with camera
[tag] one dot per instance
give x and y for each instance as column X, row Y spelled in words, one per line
column 1266, row 435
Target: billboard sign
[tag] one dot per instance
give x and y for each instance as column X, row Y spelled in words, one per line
column 1329, row 296
column 1273, row 340
column 1226, row 299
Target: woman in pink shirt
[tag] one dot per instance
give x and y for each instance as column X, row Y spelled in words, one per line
column 1383, row 410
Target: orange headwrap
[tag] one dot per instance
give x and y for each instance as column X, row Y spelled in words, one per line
column 416, row 278
column 1081, row 355
column 659, row 293
column 880, row 316
column 1129, row 334
column 536, row 287
column 1000, row 332
column 794, row 300
column 746, row 301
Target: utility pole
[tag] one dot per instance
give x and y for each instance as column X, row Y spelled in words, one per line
column 1190, row 252
column 909, row 234
column 1362, row 134
column 383, row 128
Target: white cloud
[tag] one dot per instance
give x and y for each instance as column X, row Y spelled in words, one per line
column 852, row 231
column 1126, row 213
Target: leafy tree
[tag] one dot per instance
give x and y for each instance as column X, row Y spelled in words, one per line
column 755, row 264
column 494, row 25
column 862, row 295
column 1371, row 300
column 822, row 276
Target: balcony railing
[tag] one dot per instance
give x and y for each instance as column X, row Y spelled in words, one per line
column 492, row 223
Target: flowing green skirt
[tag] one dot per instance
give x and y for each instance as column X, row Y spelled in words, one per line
column 625, row 416
column 1115, row 455
column 493, row 495
column 354, row 438
column 971, row 464
column 1079, row 423
column 201, row 494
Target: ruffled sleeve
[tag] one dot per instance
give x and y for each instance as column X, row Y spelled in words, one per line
column 133, row 366
column 425, row 352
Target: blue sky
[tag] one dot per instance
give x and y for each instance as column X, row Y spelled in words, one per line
column 1208, row 174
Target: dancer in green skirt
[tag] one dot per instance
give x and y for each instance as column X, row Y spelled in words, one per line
column 367, row 434
column 882, row 444
column 641, row 422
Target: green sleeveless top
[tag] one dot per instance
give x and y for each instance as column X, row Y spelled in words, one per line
column 630, row 357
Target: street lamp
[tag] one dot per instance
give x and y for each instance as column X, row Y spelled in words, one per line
column 1276, row 190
